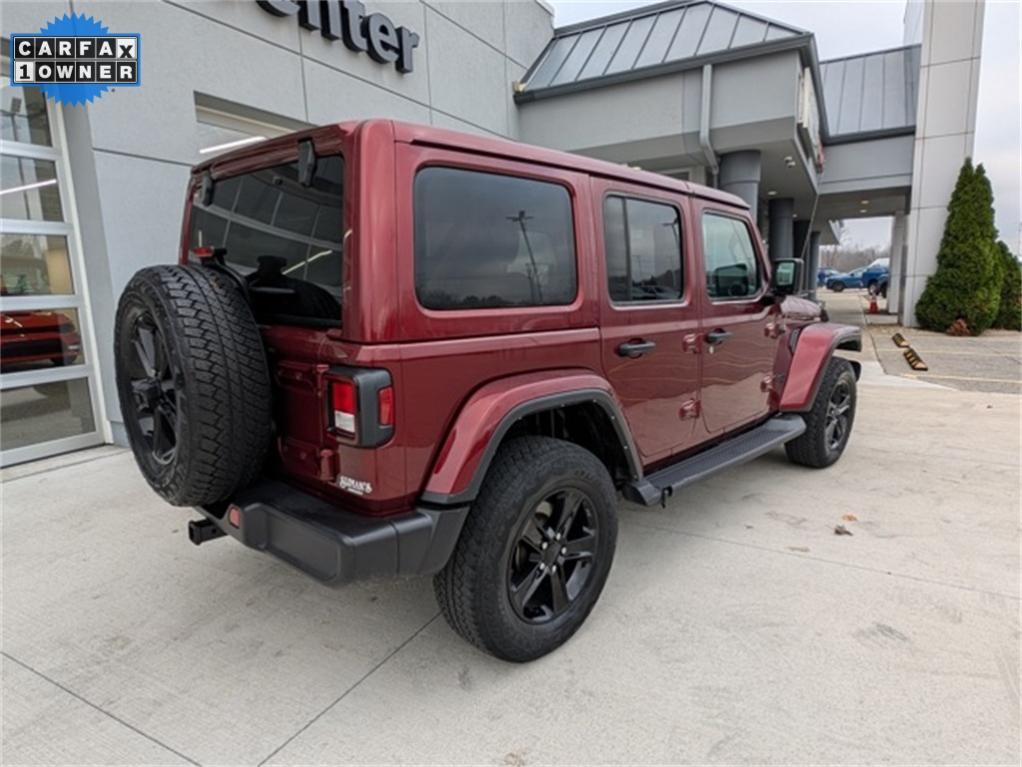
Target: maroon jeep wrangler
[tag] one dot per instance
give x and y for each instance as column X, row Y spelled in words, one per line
column 390, row 349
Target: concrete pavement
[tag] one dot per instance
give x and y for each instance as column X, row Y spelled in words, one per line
column 735, row 627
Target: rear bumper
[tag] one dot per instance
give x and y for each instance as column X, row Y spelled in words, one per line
column 336, row 546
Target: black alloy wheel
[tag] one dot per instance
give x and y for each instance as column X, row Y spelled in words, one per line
column 153, row 389
column 535, row 550
column 829, row 422
column 551, row 561
column 838, row 413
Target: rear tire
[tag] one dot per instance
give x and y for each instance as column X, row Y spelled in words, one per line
column 193, row 383
column 829, row 423
column 509, row 588
column 837, row 287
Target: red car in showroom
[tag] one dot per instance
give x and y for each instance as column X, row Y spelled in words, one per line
column 34, row 338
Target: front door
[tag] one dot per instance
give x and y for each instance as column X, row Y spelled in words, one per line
column 649, row 316
column 740, row 327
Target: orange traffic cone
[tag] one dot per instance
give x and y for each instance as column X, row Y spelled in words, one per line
column 873, row 308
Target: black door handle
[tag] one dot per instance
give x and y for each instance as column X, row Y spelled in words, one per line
column 718, row 336
column 635, row 349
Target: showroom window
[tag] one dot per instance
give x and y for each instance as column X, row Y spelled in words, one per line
column 48, row 387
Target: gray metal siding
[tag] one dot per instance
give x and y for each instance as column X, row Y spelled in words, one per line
column 875, row 92
column 671, row 33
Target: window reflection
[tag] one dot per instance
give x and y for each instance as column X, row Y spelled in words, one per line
column 34, row 265
column 643, row 247
column 23, row 116
column 484, row 240
column 33, row 340
column 44, row 412
column 28, row 189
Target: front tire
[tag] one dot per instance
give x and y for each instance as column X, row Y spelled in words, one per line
column 829, row 423
column 535, row 551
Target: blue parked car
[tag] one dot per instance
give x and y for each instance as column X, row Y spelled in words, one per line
column 840, row 281
column 870, row 277
column 824, row 275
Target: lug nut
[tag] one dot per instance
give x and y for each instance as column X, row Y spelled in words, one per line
column 542, row 567
column 543, row 547
column 553, row 569
column 557, row 537
column 564, row 550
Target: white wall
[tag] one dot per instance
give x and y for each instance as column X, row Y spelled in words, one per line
column 945, row 132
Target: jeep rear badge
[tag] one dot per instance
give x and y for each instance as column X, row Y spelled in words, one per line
column 356, row 486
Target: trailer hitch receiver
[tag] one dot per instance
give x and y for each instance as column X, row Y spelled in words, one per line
column 202, row 530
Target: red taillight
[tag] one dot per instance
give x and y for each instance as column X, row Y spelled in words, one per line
column 203, row 252
column 385, row 398
column 342, row 395
column 234, row 515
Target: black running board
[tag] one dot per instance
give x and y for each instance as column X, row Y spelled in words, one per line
column 658, row 487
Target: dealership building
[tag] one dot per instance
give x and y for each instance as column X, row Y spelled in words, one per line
column 693, row 89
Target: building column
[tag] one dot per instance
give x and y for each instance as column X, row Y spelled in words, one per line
column 782, row 230
column 800, row 250
column 945, row 133
column 813, row 263
column 899, row 226
column 739, row 174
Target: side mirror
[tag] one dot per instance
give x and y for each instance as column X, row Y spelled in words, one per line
column 787, row 276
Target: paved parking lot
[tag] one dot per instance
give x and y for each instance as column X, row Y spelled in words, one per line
column 991, row 362
column 736, row 626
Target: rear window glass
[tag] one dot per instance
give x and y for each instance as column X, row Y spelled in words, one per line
column 484, row 241
column 285, row 238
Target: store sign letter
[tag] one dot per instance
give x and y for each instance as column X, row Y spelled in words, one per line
column 346, row 20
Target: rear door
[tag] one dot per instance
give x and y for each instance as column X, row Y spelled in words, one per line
column 740, row 324
column 649, row 320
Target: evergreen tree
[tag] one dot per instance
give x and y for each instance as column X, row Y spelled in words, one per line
column 1009, row 313
column 967, row 284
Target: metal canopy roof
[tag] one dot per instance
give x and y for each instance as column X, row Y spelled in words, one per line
column 654, row 38
column 871, row 95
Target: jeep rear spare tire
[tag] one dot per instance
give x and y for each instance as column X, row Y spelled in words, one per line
column 193, row 383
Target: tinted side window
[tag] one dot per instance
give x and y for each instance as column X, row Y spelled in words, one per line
column 282, row 236
column 732, row 270
column 484, row 241
column 643, row 248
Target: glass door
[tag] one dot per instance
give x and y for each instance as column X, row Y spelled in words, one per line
column 49, row 393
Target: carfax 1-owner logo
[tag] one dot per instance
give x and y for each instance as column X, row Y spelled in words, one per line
column 75, row 59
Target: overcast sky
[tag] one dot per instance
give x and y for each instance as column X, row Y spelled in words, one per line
column 843, row 28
